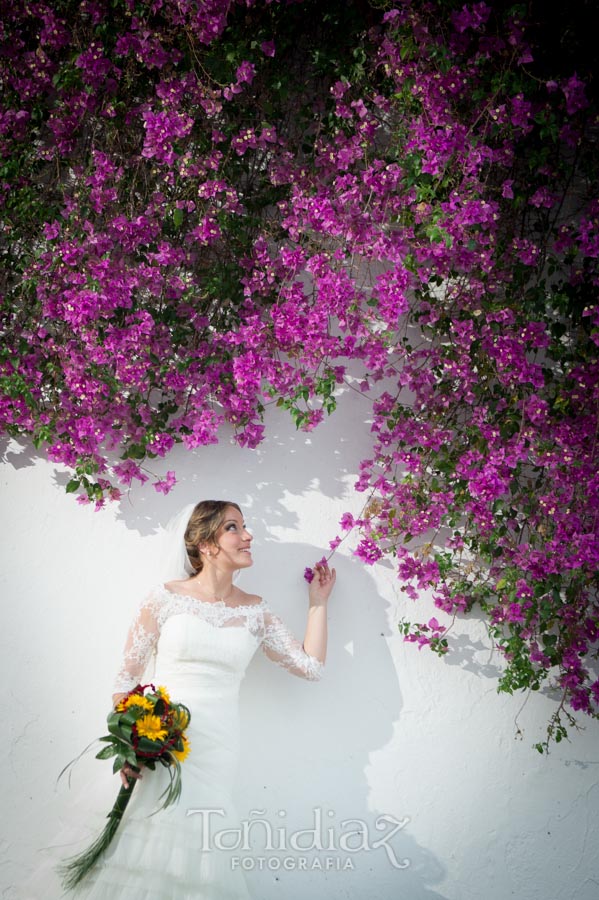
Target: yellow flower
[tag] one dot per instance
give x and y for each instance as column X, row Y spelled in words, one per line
column 162, row 692
column 138, row 700
column 184, row 753
column 152, row 728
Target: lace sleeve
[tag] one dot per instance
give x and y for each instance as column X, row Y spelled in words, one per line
column 283, row 648
column 141, row 641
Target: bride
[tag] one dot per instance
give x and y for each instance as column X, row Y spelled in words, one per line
column 200, row 631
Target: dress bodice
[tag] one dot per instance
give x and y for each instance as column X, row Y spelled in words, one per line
column 191, row 645
column 207, row 639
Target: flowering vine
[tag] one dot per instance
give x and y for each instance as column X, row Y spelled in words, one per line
column 206, row 210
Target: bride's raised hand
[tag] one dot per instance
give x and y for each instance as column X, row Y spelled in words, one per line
column 322, row 584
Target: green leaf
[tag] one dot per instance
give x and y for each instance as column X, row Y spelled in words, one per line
column 107, row 752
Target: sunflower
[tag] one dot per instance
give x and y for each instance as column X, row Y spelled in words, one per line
column 184, row 753
column 152, row 728
column 162, row 692
column 138, row 700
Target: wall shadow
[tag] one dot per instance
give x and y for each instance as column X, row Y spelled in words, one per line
column 312, row 748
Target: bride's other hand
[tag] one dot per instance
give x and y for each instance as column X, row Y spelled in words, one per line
column 322, row 584
column 128, row 772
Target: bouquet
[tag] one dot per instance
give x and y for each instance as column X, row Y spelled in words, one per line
column 144, row 728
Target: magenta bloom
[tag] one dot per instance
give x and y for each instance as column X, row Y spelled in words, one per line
column 309, row 572
column 268, row 48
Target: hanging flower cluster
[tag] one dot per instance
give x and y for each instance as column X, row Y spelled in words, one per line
column 206, row 209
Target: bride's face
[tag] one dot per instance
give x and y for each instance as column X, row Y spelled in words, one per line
column 234, row 540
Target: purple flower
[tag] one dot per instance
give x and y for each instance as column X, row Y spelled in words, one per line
column 574, row 92
column 368, row 551
column 347, row 521
column 474, row 17
column 514, row 613
column 308, row 575
column 580, row 699
column 245, row 72
column 268, row 48
column 51, row 230
column 542, row 197
column 166, row 484
column 506, row 189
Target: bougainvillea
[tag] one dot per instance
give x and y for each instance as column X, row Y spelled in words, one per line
column 207, row 209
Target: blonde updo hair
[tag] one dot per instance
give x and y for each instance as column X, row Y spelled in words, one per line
column 202, row 528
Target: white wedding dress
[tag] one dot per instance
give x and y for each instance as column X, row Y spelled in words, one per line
column 200, row 651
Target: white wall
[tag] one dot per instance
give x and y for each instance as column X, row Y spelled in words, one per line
column 389, row 731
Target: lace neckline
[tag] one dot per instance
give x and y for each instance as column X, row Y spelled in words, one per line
column 220, row 603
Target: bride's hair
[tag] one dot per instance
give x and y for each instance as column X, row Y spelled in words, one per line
column 203, row 525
